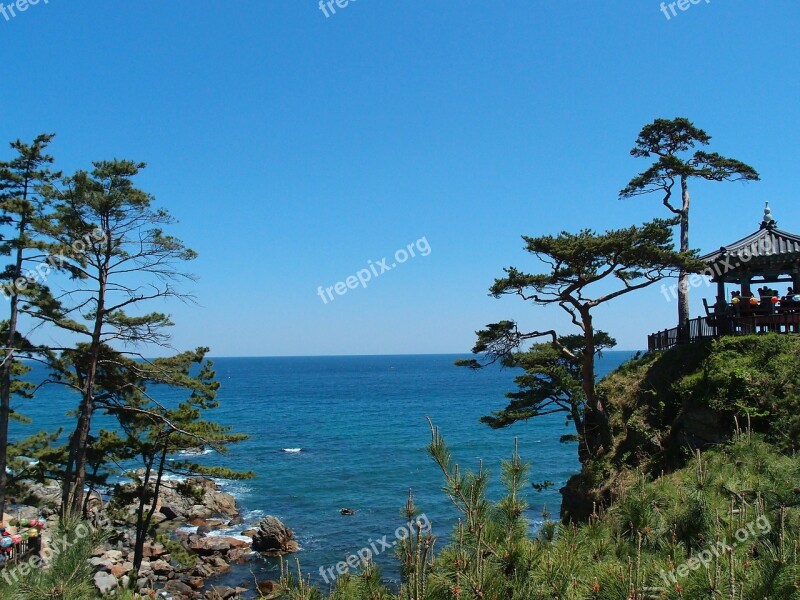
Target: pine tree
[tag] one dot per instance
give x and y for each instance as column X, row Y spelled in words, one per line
column 156, row 433
column 586, row 270
column 550, row 384
column 26, row 185
column 111, row 241
column 669, row 141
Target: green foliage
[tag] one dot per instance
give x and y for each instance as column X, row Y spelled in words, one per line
column 584, row 271
column 176, row 550
column 551, row 382
column 756, row 377
column 154, row 432
column 105, row 233
column 189, row 490
column 694, row 394
column 37, row 458
column 668, row 140
column 642, row 254
column 26, row 184
column 671, row 143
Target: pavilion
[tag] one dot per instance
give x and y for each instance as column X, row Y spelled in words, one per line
column 766, row 257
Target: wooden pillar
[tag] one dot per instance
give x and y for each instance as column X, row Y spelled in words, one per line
column 746, row 285
column 721, row 299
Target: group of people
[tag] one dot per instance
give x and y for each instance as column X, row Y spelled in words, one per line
column 28, row 530
column 767, row 297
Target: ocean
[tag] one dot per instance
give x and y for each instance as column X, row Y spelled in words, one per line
column 328, row 433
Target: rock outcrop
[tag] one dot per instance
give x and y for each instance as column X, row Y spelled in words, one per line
column 177, row 569
column 273, row 537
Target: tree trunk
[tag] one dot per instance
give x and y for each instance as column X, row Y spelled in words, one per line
column 75, row 476
column 683, row 277
column 584, row 454
column 81, row 442
column 90, row 491
column 597, row 430
column 5, row 412
column 76, row 479
column 8, row 364
column 143, row 525
column 138, row 546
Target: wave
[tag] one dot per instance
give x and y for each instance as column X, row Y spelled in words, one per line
column 174, row 477
column 292, row 450
column 196, row 452
column 237, row 489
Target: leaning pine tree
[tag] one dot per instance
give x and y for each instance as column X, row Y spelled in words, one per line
column 586, row 270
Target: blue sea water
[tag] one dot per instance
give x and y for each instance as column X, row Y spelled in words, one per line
column 360, row 423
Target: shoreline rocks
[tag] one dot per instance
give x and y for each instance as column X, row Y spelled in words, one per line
column 178, row 568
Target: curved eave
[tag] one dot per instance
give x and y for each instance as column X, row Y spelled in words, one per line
column 783, row 247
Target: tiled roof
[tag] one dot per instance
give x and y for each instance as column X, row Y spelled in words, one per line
column 768, row 245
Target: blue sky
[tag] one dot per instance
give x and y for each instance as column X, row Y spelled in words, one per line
column 294, row 148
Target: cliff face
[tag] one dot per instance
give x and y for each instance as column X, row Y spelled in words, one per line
column 665, row 406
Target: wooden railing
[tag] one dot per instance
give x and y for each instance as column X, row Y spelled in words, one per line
column 17, row 553
column 716, row 326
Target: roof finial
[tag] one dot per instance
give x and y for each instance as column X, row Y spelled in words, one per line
column 769, row 222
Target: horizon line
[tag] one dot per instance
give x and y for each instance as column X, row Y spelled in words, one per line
column 377, row 355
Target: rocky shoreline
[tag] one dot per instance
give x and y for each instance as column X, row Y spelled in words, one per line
column 180, row 559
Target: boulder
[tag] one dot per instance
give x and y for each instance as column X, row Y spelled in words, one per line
column 206, row 526
column 145, row 569
column 102, row 563
column 44, row 494
column 199, row 512
column 178, row 587
column 272, row 536
column 169, row 512
column 210, row 545
column 203, row 570
column 237, row 543
column 218, row 564
column 113, row 555
column 221, row 592
column 161, row 567
column 239, row 555
column 153, row 550
column 105, row 582
column 119, row 570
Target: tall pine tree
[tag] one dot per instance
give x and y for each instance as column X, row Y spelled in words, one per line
column 671, row 143
column 112, row 240
column 26, row 186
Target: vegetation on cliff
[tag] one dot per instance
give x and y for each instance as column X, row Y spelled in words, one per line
column 666, row 405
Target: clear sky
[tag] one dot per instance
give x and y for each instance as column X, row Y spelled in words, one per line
column 294, row 148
